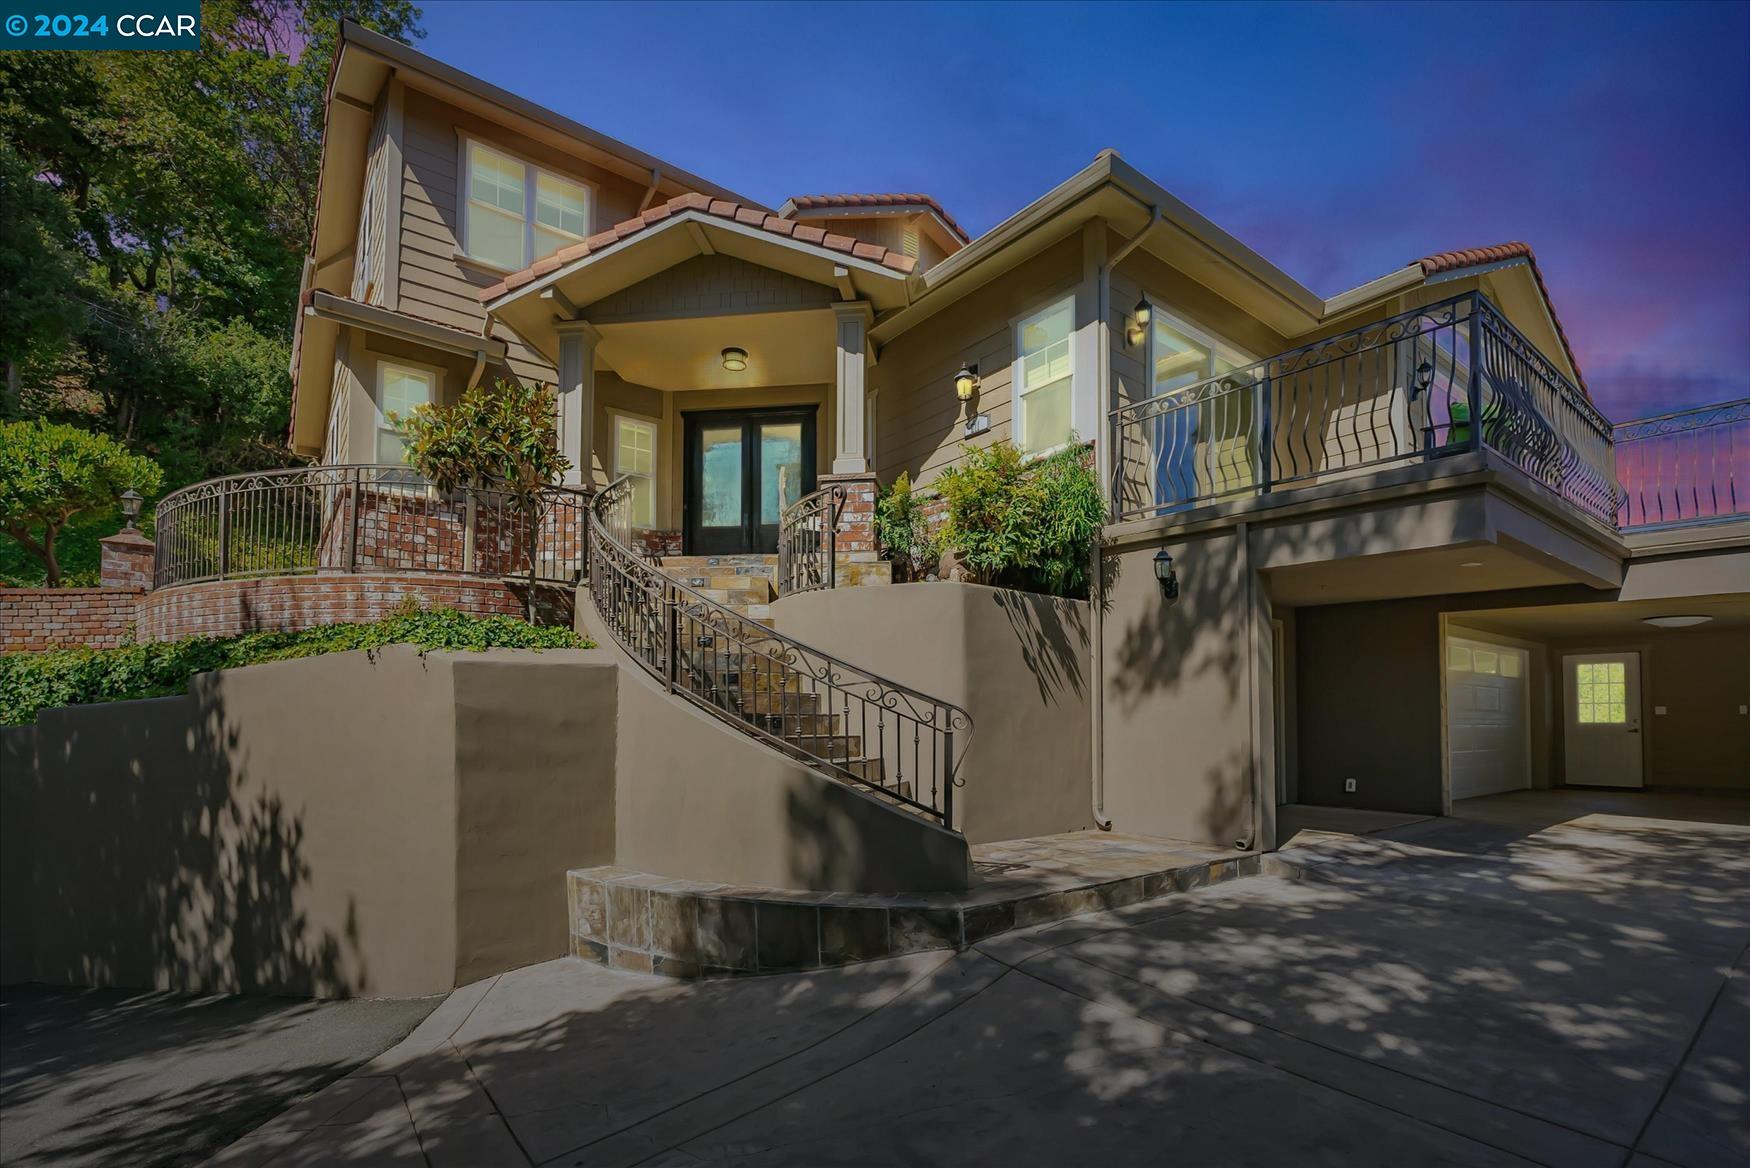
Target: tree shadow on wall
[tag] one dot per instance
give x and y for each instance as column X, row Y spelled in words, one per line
column 158, row 863
column 1054, row 642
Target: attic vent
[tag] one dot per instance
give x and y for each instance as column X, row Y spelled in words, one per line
column 909, row 242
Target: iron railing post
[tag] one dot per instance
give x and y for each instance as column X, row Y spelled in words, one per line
column 1266, row 436
column 352, row 541
column 670, row 639
column 948, row 776
column 224, row 529
column 1474, row 391
column 832, row 542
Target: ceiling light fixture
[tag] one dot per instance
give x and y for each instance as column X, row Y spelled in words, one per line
column 1471, row 564
column 735, row 360
column 1676, row 622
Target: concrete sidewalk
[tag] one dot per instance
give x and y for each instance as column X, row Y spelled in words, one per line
column 111, row 1077
column 1568, row 993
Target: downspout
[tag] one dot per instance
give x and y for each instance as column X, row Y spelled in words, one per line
column 1103, row 467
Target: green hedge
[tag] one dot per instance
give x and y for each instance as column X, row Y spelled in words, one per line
column 66, row 677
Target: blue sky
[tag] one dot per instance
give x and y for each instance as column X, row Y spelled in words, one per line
column 1341, row 141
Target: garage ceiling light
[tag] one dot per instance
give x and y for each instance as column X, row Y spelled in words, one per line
column 1677, row 622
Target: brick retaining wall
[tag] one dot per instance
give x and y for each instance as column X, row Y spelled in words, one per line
column 223, row 608
column 33, row 619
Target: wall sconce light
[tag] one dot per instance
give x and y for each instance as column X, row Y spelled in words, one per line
column 1137, row 327
column 735, row 360
column 131, row 501
column 1424, row 379
column 1165, row 576
column 966, row 382
column 1142, row 312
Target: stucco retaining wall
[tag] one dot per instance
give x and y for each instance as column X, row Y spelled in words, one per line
column 1017, row 662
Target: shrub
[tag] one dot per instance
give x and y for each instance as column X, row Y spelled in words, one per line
column 30, row 682
column 904, row 530
column 50, row 472
column 1022, row 524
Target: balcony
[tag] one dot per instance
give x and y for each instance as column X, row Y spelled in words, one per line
column 1449, row 379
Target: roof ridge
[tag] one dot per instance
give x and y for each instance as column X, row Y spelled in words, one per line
column 880, row 199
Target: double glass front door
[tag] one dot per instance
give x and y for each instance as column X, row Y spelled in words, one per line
column 743, row 468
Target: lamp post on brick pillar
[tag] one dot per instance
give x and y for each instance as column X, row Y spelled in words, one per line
column 126, row 557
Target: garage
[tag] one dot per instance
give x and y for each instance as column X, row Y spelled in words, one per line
column 1488, row 714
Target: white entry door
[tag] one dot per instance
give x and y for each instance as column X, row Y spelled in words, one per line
column 1602, row 744
column 1487, row 737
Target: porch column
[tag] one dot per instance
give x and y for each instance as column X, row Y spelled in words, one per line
column 851, row 449
column 577, row 343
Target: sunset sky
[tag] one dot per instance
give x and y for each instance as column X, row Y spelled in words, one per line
column 1339, row 141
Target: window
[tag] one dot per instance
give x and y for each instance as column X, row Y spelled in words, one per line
column 400, row 391
column 518, row 213
column 635, row 455
column 1044, row 378
column 1600, row 693
column 1210, row 443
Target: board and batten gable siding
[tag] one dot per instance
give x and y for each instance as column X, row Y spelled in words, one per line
column 711, row 284
column 434, row 284
column 918, row 418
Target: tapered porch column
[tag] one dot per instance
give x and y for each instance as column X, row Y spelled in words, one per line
column 577, row 343
column 850, row 454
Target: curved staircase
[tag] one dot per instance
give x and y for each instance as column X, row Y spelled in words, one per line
column 701, row 625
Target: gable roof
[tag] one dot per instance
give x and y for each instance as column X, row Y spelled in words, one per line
column 1453, row 261
column 891, row 199
column 740, row 213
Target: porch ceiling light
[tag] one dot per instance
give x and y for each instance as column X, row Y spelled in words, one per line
column 735, row 360
column 966, row 382
column 1676, row 622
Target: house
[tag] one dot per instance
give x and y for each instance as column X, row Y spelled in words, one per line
column 1377, row 550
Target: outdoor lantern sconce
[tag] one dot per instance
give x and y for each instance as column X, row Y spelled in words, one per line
column 131, row 501
column 735, row 360
column 966, row 382
column 1424, row 379
column 1167, row 578
column 1138, row 326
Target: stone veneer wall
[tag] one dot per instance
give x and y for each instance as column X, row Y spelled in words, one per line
column 223, row 608
column 34, row 619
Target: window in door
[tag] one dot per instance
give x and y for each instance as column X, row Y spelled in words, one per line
column 1044, row 378
column 401, row 389
column 1600, row 693
column 635, row 457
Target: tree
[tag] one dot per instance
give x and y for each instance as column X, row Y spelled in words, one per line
column 505, row 437
column 50, row 473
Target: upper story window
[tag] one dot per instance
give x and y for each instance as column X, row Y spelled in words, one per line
column 517, row 213
column 1181, row 355
column 1044, row 377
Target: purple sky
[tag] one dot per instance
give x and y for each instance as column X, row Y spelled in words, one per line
column 1339, row 141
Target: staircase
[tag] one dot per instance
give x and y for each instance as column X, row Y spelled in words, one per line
column 702, row 626
column 734, row 664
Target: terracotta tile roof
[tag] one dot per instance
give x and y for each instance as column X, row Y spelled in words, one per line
column 1451, row 261
column 717, row 208
column 898, row 199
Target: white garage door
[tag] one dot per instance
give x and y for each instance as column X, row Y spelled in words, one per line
column 1486, row 717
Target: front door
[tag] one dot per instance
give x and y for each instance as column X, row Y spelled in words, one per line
column 743, row 468
column 1602, row 745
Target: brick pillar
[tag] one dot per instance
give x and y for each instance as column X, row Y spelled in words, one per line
column 127, row 561
column 856, row 530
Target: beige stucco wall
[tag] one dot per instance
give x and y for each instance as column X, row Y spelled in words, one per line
column 1017, row 662
column 213, row 842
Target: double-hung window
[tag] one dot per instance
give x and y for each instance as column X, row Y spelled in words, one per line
column 401, row 389
column 635, row 455
column 1044, row 377
column 517, row 213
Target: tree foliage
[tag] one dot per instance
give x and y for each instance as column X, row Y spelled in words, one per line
column 1024, row 524
column 51, row 472
column 157, row 212
column 903, row 527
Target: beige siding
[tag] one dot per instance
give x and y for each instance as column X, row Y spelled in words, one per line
column 711, row 283
column 918, row 418
column 369, row 275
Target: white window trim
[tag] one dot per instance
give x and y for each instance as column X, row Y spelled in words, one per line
column 1217, row 345
column 615, row 414
column 384, row 365
column 1016, row 377
column 530, row 169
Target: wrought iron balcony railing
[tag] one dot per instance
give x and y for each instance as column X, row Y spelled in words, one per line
column 1436, row 381
column 364, row 518
column 1692, row 466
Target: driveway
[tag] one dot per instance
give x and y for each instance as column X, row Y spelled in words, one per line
column 1559, row 988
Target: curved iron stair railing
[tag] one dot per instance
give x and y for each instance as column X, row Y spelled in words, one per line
column 808, row 541
column 848, row 723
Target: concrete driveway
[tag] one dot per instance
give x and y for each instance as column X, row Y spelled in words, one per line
column 1552, row 989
